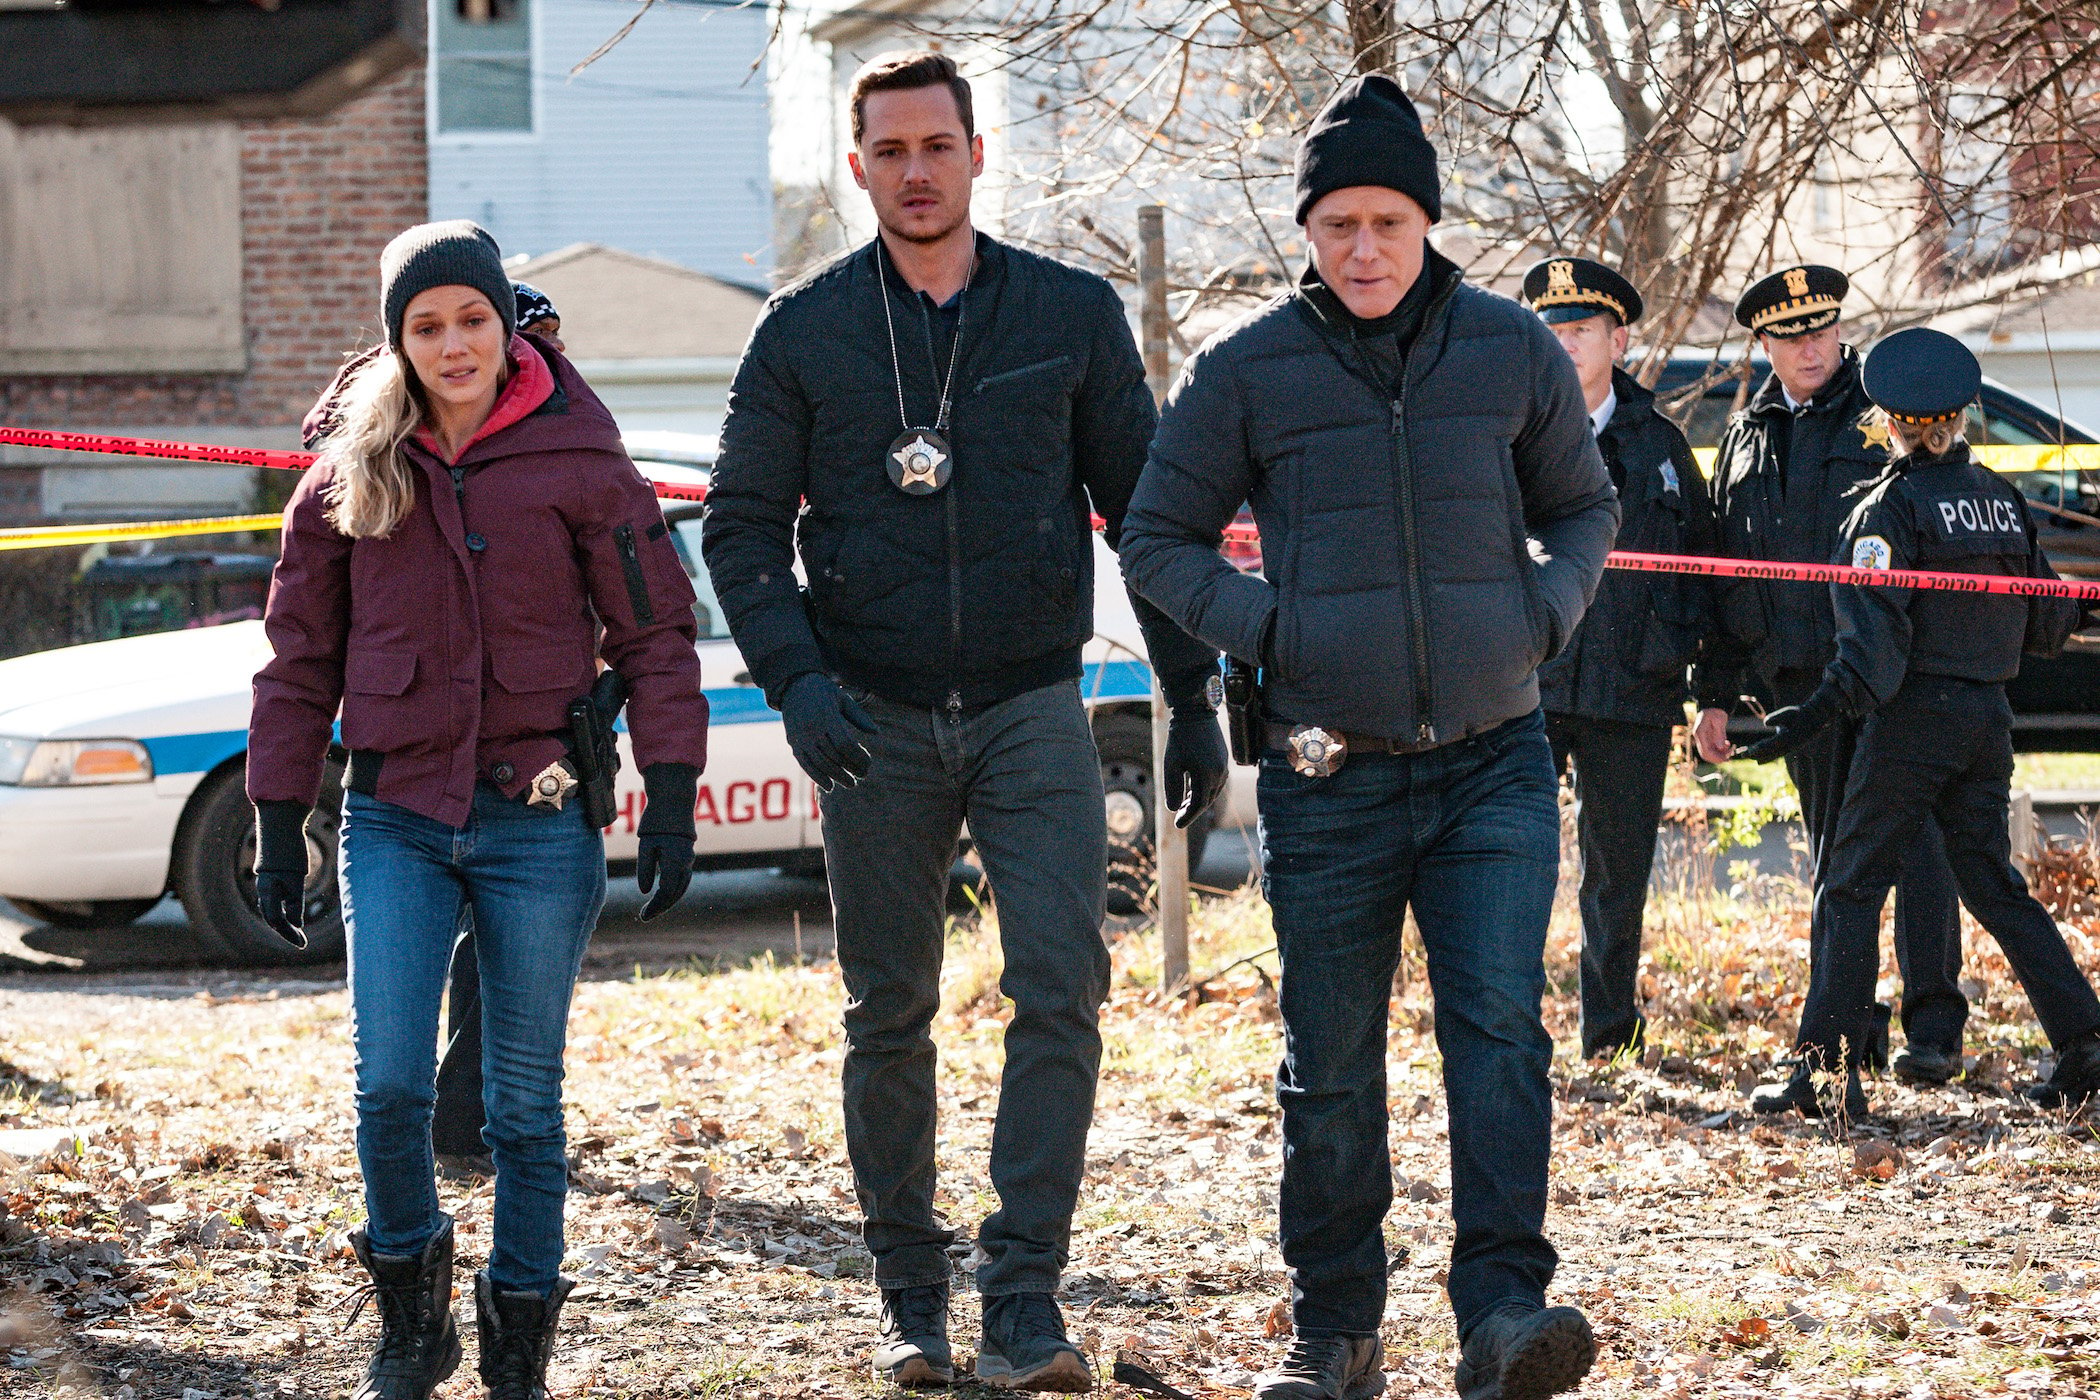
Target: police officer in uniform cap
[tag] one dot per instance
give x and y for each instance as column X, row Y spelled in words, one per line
column 1791, row 466
column 1613, row 696
column 1924, row 672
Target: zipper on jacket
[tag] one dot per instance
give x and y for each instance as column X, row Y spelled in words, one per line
column 955, row 634
column 1411, row 576
column 631, row 566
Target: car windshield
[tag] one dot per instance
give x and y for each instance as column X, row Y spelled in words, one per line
column 707, row 609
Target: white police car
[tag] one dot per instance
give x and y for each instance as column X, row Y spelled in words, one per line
column 121, row 766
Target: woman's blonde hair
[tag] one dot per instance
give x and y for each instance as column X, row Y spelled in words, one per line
column 375, row 485
column 1932, row 439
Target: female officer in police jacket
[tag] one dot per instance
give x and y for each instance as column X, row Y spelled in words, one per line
column 469, row 545
column 1924, row 672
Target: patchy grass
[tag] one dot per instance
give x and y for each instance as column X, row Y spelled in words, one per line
column 195, row 1243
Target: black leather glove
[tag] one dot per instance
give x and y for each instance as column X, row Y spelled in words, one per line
column 280, row 868
column 1794, row 726
column 1196, row 762
column 824, row 726
column 663, row 855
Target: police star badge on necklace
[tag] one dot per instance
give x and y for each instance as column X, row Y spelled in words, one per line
column 920, row 461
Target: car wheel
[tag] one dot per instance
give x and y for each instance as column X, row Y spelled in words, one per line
column 215, row 875
column 1125, row 742
column 83, row 913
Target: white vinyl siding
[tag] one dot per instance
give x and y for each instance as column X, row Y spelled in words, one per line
column 658, row 148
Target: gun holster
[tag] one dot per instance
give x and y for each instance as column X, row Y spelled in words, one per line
column 594, row 748
column 1242, row 712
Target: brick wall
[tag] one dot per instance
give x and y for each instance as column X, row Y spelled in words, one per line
column 319, row 199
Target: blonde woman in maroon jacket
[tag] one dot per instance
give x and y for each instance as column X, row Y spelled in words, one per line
column 470, row 544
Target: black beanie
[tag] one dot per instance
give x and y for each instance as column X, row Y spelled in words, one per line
column 1368, row 134
column 454, row 253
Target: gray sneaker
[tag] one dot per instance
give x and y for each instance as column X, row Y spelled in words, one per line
column 1025, row 1347
column 1519, row 1352
column 914, row 1346
column 1326, row 1368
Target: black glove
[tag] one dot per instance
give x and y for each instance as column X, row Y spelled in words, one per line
column 1794, row 726
column 1196, row 763
column 821, row 721
column 280, row 868
column 663, row 855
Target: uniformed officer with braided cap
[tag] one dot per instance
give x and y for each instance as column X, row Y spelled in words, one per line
column 1924, row 672
column 1791, row 466
column 1613, row 697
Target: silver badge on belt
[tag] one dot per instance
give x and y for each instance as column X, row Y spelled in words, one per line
column 552, row 787
column 1317, row 752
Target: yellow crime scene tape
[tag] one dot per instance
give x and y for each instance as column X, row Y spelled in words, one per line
column 2012, row 459
column 52, row 536
column 2007, row 458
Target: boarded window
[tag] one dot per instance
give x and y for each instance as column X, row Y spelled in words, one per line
column 120, row 250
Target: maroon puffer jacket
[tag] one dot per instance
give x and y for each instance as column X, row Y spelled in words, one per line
column 454, row 645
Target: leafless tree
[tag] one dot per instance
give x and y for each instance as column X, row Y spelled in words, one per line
column 1689, row 141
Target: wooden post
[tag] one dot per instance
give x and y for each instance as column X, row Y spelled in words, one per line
column 2025, row 833
column 1152, row 290
column 1170, row 844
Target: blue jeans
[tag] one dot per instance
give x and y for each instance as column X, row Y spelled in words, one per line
column 535, row 880
column 1469, row 836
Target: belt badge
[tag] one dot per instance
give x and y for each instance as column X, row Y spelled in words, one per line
column 1317, row 752
column 552, row 787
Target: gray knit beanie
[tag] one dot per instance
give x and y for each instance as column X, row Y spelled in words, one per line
column 453, row 253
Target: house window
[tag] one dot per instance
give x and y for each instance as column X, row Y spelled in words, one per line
column 482, row 54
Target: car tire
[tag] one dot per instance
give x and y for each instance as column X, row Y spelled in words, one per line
column 84, row 913
column 1125, row 742
column 215, row 875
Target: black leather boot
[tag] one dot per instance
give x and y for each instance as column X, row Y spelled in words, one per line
column 517, row 1337
column 418, row 1338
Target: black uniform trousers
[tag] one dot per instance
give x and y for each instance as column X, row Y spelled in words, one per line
column 1620, row 770
column 1928, row 911
column 1941, row 749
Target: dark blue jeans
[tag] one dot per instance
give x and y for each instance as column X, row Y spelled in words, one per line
column 1468, row 835
column 535, row 880
column 1026, row 776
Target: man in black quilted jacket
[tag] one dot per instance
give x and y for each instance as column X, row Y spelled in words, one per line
column 1434, row 518
column 929, row 422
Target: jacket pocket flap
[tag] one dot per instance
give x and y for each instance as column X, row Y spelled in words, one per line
column 544, row 668
column 379, row 672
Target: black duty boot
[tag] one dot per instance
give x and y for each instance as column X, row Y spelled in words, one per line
column 1326, row 1368
column 418, row 1338
column 1927, row 1064
column 517, row 1337
column 1519, row 1352
column 1025, row 1347
column 2076, row 1078
column 914, row 1346
column 1799, row 1094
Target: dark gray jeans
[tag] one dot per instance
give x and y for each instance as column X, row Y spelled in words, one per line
column 1026, row 776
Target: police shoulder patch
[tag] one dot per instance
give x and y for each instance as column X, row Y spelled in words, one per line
column 1669, row 475
column 1870, row 552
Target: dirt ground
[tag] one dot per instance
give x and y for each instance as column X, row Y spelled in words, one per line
column 186, row 1239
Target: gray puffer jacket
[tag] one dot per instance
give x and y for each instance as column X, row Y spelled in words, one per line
column 1428, row 542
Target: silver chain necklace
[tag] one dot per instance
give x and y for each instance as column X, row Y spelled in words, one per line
column 920, row 461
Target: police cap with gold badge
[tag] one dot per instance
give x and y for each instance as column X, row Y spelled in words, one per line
column 1922, row 376
column 1793, row 301
column 1564, row 289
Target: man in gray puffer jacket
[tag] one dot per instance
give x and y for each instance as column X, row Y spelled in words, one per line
column 1434, row 517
